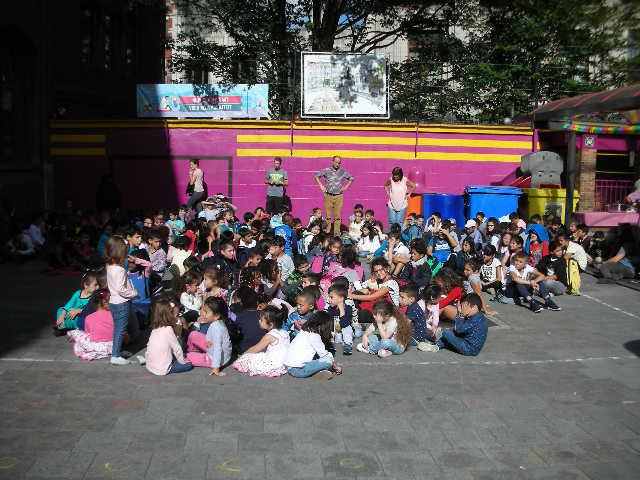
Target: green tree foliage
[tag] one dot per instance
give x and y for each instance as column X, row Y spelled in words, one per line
column 519, row 54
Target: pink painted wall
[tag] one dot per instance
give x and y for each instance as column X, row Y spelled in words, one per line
column 150, row 165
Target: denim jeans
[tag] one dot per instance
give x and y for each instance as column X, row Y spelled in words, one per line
column 177, row 367
column 396, row 216
column 616, row 271
column 450, row 341
column 555, row 287
column 521, row 290
column 121, row 313
column 375, row 344
column 309, row 369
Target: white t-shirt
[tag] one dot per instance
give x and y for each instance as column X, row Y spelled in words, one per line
column 368, row 246
column 390, row 327
column 488, row 273
column 578, row 253
column 524, row 274
column 400, row 249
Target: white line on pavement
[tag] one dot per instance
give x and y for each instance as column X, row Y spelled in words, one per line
column 404, row 364
column 597, row 300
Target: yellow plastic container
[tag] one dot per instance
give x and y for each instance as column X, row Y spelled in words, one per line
column 545, row 201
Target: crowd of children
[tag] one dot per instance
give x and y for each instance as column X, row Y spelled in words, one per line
column 274, row 295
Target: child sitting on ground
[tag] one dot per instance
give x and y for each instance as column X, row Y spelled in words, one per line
column 293, row 284
column 66, row 315
column 96, row 341
column 554, row 269
column 139, row 272
column 473, row 283
column 525, row 281
column 451, row 285
column 266, row 358
column 342, row 315
column 215, row 351
column 409, row 299
column 308, row 355
column 190, row 300
column 469, row 332
column 164, row 354
column 157, row 255
column 389, row 334
column 491, row 273
column 305, row 307
column 429, row 305
column 355, row 321
column 214, row 284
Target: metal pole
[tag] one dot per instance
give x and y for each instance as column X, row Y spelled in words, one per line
column 570, row 177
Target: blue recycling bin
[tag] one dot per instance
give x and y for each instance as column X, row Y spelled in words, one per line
column 450, row 206
column 494, row 201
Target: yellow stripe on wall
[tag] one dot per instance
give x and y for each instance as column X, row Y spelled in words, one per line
column 78, row 152
column 362, row 140
column 462, row 142
column 60, row 138
column 397, row 155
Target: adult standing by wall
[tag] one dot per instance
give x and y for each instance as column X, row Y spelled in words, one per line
column 398, row 189
column 333, row 189
column 277, row 179
column 195, row 189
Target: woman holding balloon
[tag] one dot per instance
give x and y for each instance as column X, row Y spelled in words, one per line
column 398, row 189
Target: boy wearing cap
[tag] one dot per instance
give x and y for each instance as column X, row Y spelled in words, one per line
column 472, row 232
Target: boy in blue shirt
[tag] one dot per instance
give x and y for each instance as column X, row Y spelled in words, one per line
column 469, row 331
column 442, row 243
column 409, row 299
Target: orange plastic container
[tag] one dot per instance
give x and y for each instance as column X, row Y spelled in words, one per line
column 415, row 204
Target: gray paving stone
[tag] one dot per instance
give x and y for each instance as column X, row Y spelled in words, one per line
column 173, row 464
column 246, row 466
column 239, row 423
column 60, row 464
column 298, row 465
column 611, row 471
column 351, row 464
column 211, row 443
column 464, row 458
column 129, row 465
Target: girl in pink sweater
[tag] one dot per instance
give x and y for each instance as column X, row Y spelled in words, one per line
column 164, row 354
column 96, row 340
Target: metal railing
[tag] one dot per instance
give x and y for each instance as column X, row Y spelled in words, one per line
column 609, row 192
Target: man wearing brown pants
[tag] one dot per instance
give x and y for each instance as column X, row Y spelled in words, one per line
column 333, row 189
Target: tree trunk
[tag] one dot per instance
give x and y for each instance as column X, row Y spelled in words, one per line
column 326, row 15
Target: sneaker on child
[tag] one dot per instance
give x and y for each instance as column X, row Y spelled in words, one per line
column 383, row 353
column 553, row 306
column 119, row 361
column 428, row 347
column 361, row 348
column 535, row 306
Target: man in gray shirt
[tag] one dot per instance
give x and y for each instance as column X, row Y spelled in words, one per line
column 333, row 189
column 277, row 179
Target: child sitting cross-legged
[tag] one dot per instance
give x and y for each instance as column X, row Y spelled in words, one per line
column 97, row 338
column 342, row 315
column 469, row 332
column 66, row 315
column 266, row 358
column 389, row 334
column 473, row 282
column 215, row 350
column 305, row 306
column 308, row 355
column 164, row 354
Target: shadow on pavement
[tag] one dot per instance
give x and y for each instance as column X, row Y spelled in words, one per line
column 633, row 346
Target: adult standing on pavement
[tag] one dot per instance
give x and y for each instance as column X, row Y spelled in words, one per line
column 195, row 189
column 398, row 189
column 333, row 189
column 277, row 179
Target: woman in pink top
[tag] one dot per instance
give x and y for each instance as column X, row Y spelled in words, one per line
column 398, row 189
column 196, row 185
column 96, row 341
column 164, row 354
column 122, row 291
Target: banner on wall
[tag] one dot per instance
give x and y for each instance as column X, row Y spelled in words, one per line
column 185, row 100
column 336, row 85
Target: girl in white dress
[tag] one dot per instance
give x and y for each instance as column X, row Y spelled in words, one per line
column 266, row 358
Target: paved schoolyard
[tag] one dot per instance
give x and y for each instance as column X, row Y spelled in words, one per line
column 555, row 395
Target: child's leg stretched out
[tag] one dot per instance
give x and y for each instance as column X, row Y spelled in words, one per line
column 177, row 367
column 376, row 344
column 309, row 369
column 452, row 342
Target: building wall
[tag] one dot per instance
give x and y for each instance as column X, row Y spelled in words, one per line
column 149, row 159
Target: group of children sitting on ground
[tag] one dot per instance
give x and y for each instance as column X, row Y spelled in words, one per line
column 271, row 295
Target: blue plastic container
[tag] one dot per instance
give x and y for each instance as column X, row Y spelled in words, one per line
column 494, row 201
column 450, row 206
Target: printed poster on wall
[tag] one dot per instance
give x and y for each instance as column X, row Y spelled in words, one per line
column 336, row 85
column 185, row 100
